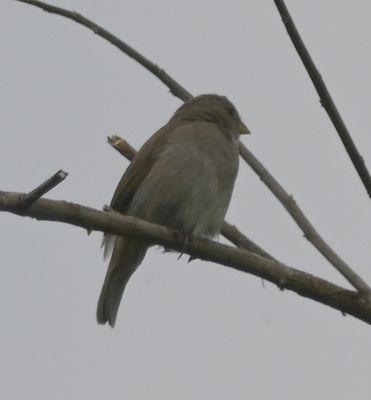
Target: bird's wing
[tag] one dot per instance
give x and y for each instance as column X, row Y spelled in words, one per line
column 133, row 177
column 139, row 169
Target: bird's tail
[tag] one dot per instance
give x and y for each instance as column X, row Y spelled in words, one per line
column 126, row 256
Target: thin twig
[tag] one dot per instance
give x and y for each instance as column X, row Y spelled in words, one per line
column 229, row 231
column 325, row 97
column 122, row 146
column 183, row 94
column 302, row 221
column 235, row 236
column 45, row 187
column 306, row 285
column 175, row 88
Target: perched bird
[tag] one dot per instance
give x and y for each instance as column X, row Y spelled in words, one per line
column 183, row 178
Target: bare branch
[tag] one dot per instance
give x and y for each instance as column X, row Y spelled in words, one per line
column 306, row 285
column 302, row 221
column 45, row 187
column 325, row 97
column 122, row 146
column 235, row 236
column 175, row 88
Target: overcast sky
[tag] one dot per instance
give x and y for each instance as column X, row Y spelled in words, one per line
column 184, row 331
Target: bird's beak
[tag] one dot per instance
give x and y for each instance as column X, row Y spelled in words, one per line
column 243, row 129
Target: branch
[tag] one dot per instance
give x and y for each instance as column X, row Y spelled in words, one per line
column 302, row 221
column 306, row 285
column 325, row 97
column 122, row 146
column 176, row 89
column 44, row 188
column 235, row 236
column 272, row 184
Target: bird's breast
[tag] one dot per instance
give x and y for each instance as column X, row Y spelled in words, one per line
column 189, row 186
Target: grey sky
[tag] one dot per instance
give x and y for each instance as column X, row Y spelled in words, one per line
column 184, row 331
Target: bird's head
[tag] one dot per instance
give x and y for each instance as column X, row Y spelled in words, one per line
column 215, row 109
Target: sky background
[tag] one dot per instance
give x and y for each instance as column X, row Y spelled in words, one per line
column 184, row 331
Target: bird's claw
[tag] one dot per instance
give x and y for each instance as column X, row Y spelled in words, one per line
column 184, row 239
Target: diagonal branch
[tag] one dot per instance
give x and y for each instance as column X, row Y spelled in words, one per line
column 44, row 188
column 325, row 97
column 176, row 89
column 306, row 285
column 303, row 222
column 235, row 236
column 183, row 94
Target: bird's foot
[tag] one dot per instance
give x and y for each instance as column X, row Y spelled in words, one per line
column 184, row 239
column 107, row 208
column 191, row 258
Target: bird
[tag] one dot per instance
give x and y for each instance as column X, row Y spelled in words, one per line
column 182, row 178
